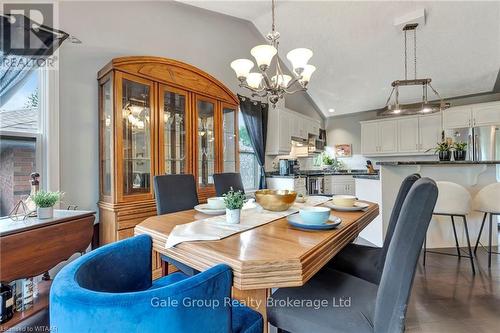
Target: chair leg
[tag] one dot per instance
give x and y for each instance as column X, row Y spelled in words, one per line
column 480, row 232
column 456, row 238
column 489, row 241
column 164, row 268
column 468, row 245
column 425, row 248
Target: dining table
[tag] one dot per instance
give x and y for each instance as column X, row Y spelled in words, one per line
column 273, row 255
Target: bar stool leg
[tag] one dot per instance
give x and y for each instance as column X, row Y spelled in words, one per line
column 480, row 232
column 425, row 247
column 468, row 245
column 489, row 245
column 456, row 238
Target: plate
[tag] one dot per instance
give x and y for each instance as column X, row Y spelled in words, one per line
column 203, row 208
column 296, row 221
column 357, row 206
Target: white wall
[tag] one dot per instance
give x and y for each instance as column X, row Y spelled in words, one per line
column 204, row 39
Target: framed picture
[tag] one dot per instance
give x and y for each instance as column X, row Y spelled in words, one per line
column 343, row 150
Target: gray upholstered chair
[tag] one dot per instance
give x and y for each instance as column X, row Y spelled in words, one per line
column 174, row 193
column 224, row 181
column 366, row 262
column 354, row 305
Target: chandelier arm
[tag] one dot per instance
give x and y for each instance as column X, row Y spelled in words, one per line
column 292, row 82
column 389, row 99
column 434, row 91
column 244, row 85
column 290, row 92
column 267, row 80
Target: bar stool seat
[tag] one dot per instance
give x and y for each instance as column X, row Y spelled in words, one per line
column 454, row 201
column 487, row 201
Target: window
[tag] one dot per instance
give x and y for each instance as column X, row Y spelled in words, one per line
column 249, row 167
column 20, row 141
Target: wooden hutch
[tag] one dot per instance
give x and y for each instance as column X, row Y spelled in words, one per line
column 158, row 116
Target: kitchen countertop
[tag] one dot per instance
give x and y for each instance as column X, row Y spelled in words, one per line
column 396, row 163
column 375, row 176
column 304, row 173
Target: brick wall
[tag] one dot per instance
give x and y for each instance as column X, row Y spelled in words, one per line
column 17, row 162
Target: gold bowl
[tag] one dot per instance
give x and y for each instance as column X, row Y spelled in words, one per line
column 275, row 200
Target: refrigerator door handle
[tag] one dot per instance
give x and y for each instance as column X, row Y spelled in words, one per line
column 470, row 148
column 476, row 148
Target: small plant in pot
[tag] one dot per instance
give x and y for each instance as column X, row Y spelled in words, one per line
column 45, row 202
column 443, row 149
column 234, row 202
column 459, row 151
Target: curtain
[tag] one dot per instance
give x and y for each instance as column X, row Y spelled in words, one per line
column 25, row 45
column 255, row 118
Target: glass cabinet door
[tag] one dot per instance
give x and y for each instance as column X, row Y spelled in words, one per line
column 205, row 118
column 106, row 139
column 229, row 138
column 173, row 124
column 136, row 99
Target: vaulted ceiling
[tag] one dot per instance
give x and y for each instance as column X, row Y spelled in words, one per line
column 358, row 51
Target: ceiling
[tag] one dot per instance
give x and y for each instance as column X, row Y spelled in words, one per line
column 358, row 51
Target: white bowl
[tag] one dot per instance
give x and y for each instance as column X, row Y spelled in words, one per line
column 344, row 200
column 314, row 215
column 216, row 203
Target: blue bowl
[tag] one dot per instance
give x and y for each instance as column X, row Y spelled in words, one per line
column 314, row 215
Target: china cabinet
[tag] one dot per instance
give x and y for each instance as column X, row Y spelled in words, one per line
column 158, row 116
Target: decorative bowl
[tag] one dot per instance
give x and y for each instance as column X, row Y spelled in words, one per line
column 275, row 200
column 344, row 200
column 314, row 215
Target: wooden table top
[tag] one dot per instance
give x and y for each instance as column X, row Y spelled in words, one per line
column 269, row 256
column 10, row 226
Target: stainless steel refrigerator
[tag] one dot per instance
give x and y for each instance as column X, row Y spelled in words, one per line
column 483, row 143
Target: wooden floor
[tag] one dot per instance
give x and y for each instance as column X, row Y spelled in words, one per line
column 446, row 297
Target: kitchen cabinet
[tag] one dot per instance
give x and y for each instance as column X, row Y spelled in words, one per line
column 287, row 183
column 486, row 114
column 408, row 135
column 429, row 132
column 279, row 132
column 339, row 185
column 457, row 117
column 379, row 137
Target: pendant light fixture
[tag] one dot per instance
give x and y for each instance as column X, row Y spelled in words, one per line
column 272, row 82
column 393, row 106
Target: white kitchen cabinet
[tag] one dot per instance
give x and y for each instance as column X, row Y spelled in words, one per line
column 408, row 135
column 379, row 137
column 429, row 132
column 486, row 114
column 335, row 184
column 279, row 132
column 287, row 183
column 457, row 117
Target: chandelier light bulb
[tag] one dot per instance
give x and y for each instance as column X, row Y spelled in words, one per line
column 282, row 80
column 254, row 80
column 299, row 58
column 306, row 74
column 263, row 55
column 242, row 68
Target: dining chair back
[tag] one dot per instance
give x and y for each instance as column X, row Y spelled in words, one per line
column 110, row 290
column 399, row 268
column 225, row 181
column 174, row 193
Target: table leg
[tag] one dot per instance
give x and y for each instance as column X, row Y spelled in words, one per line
column 255, row 299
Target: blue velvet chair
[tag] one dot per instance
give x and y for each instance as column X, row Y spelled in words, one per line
column 110, row 290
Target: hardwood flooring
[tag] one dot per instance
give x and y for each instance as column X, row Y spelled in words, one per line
column 446, row 297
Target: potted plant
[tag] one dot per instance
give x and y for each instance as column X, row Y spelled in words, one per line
column 332, row 162
column 443, row 149
column 234, row 202
column 459, row 151
column 45, row 202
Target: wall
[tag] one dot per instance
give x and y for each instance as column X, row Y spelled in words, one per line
column 204, row 39
column 347, row 129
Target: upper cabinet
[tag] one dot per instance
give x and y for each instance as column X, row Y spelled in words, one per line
column 474, row 115
column 159, row 116
column 400, row 136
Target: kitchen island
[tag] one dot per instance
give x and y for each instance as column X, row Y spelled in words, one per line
column 473, row 175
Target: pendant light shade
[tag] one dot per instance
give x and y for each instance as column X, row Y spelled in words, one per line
column 299, row 58
column 306, row 74
column 263, row 55
column 242, row 67
column 283, row 80
column 254, row 80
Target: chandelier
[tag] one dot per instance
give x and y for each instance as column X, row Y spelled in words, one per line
column 264, row 83
column 423, row 107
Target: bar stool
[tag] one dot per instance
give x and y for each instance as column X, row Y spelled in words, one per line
column 487, row 200
column 454, row 201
